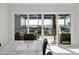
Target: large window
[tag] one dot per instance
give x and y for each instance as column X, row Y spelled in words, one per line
column 64, row 22
column 48, row 24
column 32, row 23
column 23, row 21
column 61, row 22
column 35, row 23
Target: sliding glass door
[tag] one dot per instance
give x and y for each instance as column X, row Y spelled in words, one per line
column 54, row 27
column 64, row 28
column 48, row 24
column 35, row 23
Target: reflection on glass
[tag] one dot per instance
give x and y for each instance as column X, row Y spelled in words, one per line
column 23, row 24
column 48, row 23
column 23, row 21
column 33, row 22
column 68, row 21
column 64, row 25
column 60, row 22
column 64, row 22
column 48, row 30
column 26, row 22
column 40, row 22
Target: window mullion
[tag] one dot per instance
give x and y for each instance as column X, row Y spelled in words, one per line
column 28, row 23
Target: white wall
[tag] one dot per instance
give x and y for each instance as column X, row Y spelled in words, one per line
column 75, row 26
column 42, row 7
column 6, row 19
column 3, row 24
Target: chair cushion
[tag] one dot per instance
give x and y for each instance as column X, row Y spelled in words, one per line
column 29, row 37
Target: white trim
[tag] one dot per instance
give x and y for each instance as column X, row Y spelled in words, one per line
column 13, row 27
column 57, row 39
column 42, row 27
column 72, row 37
column 28, row 23
column 42, row 12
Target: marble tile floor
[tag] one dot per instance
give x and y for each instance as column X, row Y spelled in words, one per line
column 23, row 48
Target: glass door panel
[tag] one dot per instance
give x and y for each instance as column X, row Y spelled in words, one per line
column 35, row 23
column 64, row 28
column 48, row 27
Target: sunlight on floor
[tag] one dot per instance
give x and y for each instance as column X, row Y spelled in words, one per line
column 40, row 38
column 50, row 39
column 75, row 50
column 57, row 49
